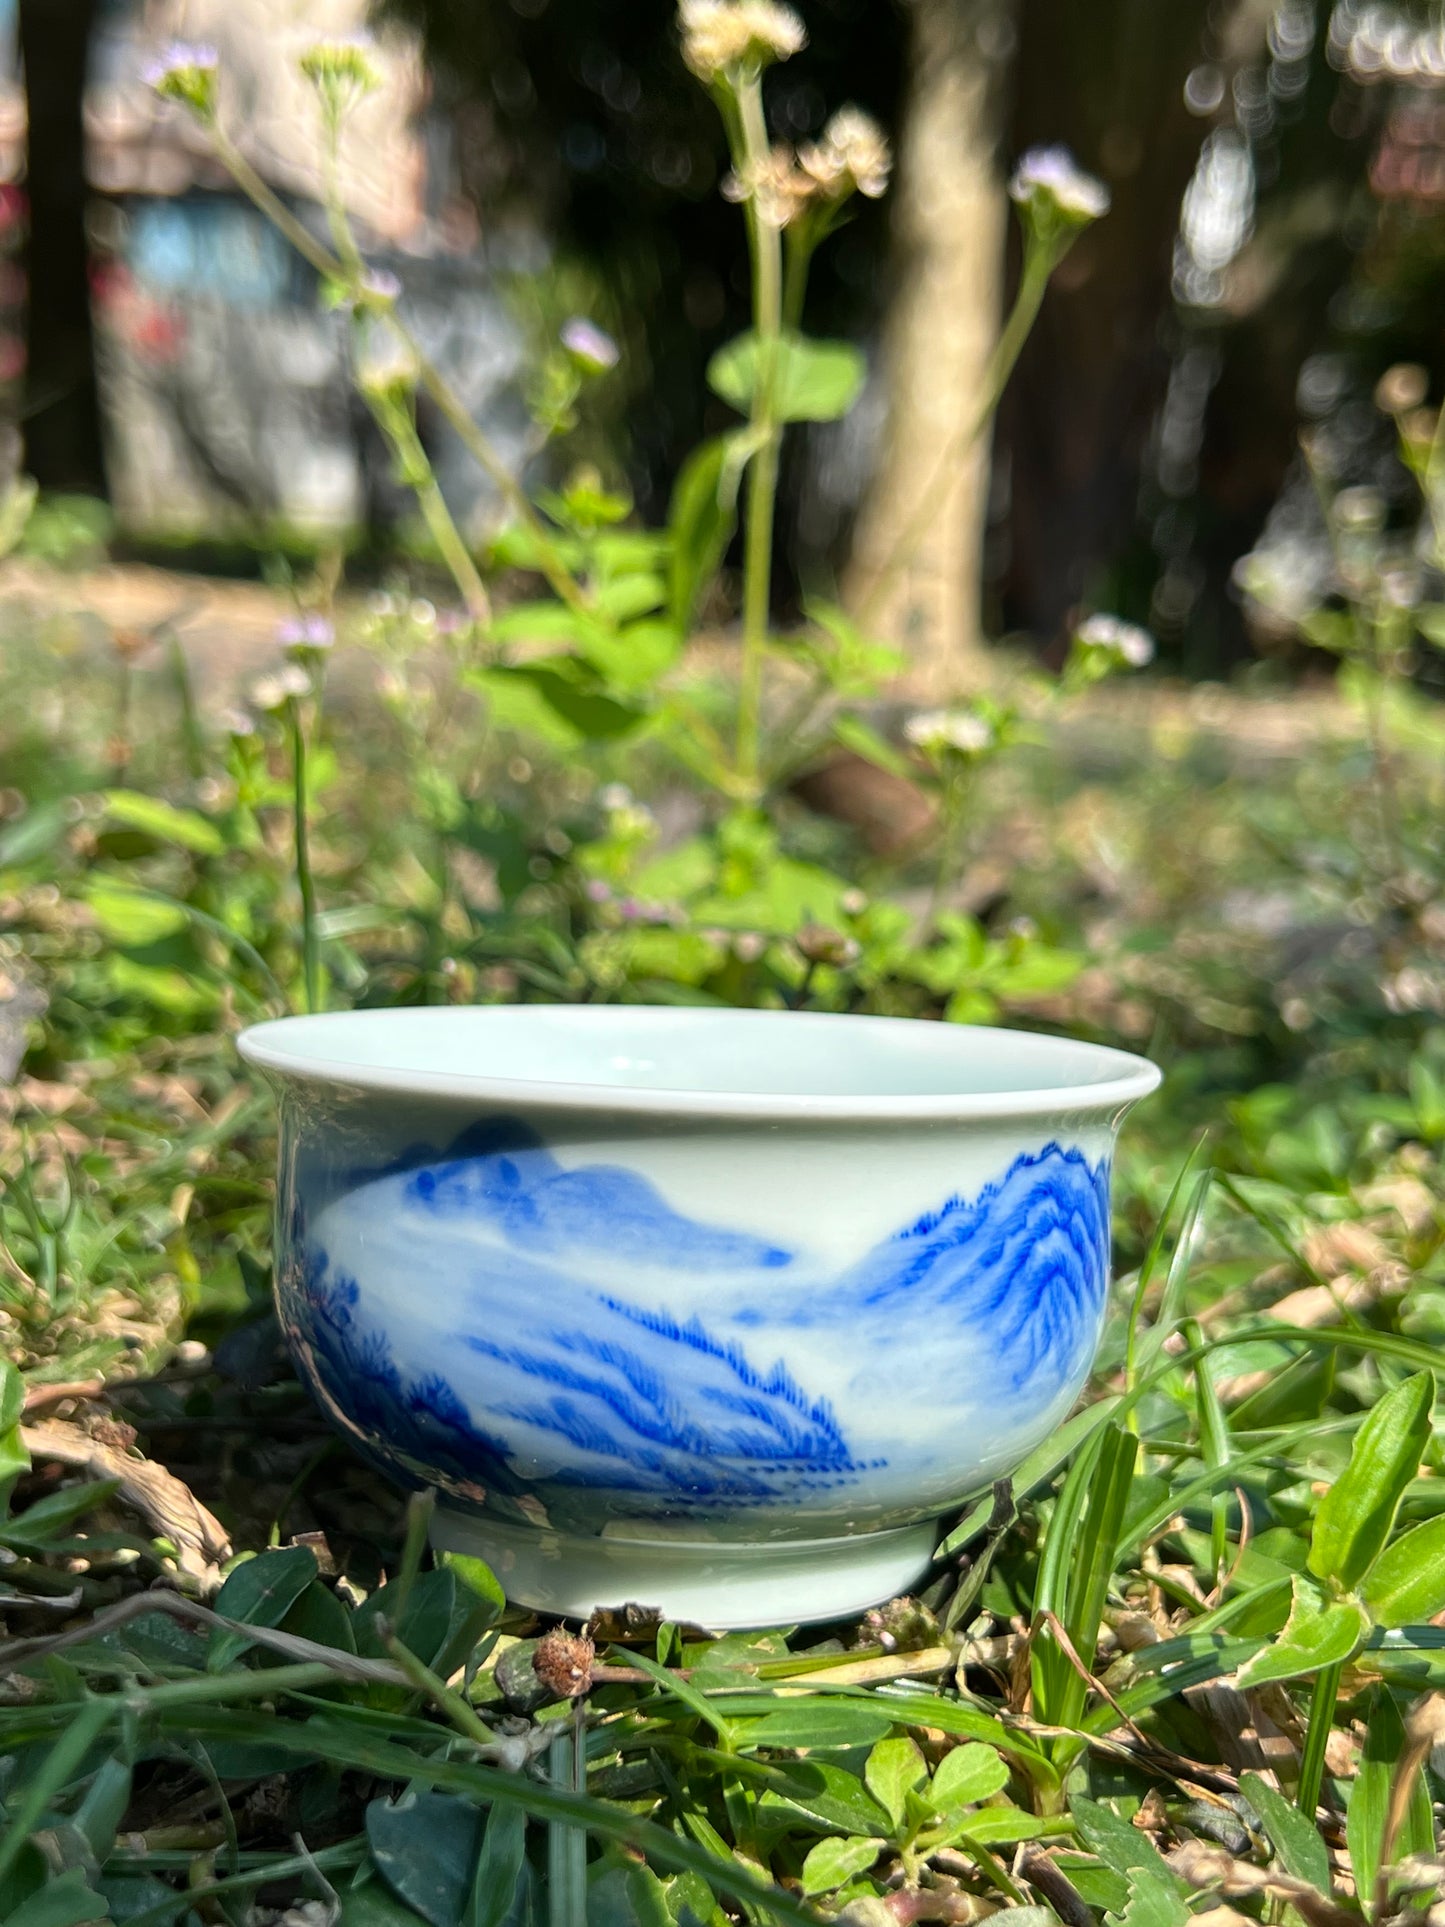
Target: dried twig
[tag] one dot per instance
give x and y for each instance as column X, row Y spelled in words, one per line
column 170, row 1508
column 176, row 1606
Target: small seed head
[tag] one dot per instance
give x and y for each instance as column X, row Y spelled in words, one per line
column 727, row 36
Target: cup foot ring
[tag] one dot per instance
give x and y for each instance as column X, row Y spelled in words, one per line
column 724, row 1587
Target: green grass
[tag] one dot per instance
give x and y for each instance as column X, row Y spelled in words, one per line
column 1186, row 1658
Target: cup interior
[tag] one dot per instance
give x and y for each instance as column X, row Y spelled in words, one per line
column 723, row 1055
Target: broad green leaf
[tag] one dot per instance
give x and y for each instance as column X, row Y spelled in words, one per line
column 827, row 1796
column 1430, row 621
column 1121, row 1847
column 1356, row 1513
column 1369, row 1798
column 441, row 1621
column 815, row 1722
column 537, row 622
column 132, row 917
column 259, row 1593
column 171, row 991
column 895, row 1769
column 701, row 518
column 1316, row 1634
column 999, row 1826
column 425, row 1849
column 319, row 1615
column 594, row 715
column 477, row 1576
column 1406, row 1584
column 832, row 1862
column 66, row 1901
column 164, row 821
column 1296, row 1842
column 619, row 1896
column 968, row 1774
column 373, row 1904
column 814, row 381
column 1153, row 1903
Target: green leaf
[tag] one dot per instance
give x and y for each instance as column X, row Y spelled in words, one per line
column 100, row 1813
column 853, row 733
column 815, row 381
column 999, row 1826
column 1153, row 1903
column 817, row 1722
column 259, row 1592
column 47, row 1520
column 425, row 1849
column 701, row 517
column 1315, row 1635
column 895, row 1769
column 1430, row 621
column 132, row 917
column 827, row 1796
column 1121, row 1847
column 832, row 1862
column 164, row 821
column 1406, row 1584
column 65, row 1901
column 373, row 1904
column 1357, row 1512
column 319, row 1615
column 499, row 1866
column 12, row 1395
column 441, row 1621
column 477, row 1576
column 1369, row 1798
column 968, row 1774
column 595, row 716
column 14, row 1460
column 1296, row 1842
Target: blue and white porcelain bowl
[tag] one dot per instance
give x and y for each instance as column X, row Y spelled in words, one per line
column 709, row 1310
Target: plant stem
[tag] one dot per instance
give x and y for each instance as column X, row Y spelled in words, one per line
column 765, row 243
column 1312, row 1762
column 305, row 882
column 550, row 561
column 1040, row 260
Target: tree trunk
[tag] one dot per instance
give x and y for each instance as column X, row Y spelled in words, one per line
column 915, row 568
column 62, row 418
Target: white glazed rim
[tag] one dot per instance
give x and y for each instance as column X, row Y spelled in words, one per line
column 1123, row 1078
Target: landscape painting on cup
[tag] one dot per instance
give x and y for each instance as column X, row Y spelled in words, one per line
column 590, row 1336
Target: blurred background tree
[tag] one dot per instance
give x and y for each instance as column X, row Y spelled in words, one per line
column 1274, row 243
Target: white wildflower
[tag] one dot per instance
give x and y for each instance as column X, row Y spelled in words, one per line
column 239, row 723
column 963, row 730
column 1048, row 182
column 590, row 345
column 1361, row 510
column 853, row 155
column 1129, row 645
column 341, row 68
column 186, row 72
column 723, row 35
column 777, row 187
column 273, row 692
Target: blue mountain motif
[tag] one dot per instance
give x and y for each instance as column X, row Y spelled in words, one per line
column 1027, row 1261
column 569, row 1381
